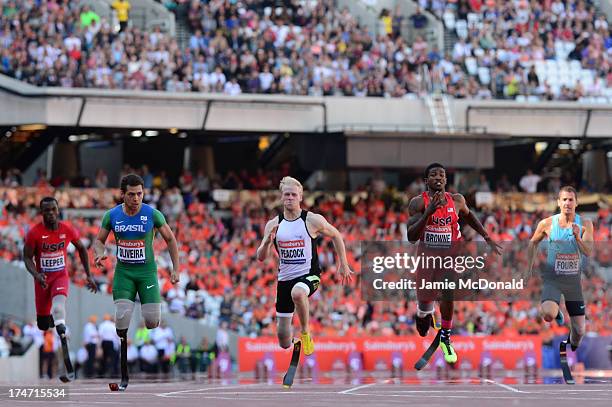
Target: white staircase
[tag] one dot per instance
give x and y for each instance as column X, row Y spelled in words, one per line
column 440, row 113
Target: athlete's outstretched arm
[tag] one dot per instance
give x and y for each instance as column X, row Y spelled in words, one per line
column 91, row 283
column 538, row 236
column 170, row 239
column 584, row 238
column 98, row 246
column 28, row 259
column 321, row 225
column 466, row 214
column 269, row 235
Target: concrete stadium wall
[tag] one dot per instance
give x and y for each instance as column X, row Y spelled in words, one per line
column 20, row 369
column 386, row 151
column 553, row 119
column 17, row 299
column 24, row 104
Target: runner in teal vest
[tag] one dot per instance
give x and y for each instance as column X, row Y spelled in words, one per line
column 569, row 242
column 134, row 225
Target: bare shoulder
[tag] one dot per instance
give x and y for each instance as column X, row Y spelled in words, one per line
column 460, row 204
column 545, row 224
column 272, row 222
column 316, row 224
column 416, row 205
column 458, row 198
column 315, row 218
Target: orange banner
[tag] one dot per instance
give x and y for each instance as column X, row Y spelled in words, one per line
column 380, row 353
column 331, row 353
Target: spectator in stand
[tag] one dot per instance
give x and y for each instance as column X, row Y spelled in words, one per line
column 101, row 180
column 419, row 21
column 483, row 184
column 13, row 178
column 122, row 7
column 147, row 177
column 529, row 182
column 386, row 23
column 89, row 17
column 417, row 187
column 503, row 184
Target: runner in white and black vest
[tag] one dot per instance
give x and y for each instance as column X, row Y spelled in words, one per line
column 293, row 233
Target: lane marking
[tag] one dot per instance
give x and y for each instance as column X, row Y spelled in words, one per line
column 505, row 386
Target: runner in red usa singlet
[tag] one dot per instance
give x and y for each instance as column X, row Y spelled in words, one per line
column 434, row 224
column 442, row 228
column 50, row 257
column 45, row 255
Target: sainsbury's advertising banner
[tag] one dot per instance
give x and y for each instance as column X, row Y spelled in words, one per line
column 380, row 353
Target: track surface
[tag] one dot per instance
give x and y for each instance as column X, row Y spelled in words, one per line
column 336, row 392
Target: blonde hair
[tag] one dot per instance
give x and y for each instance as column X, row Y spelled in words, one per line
column 290, row 181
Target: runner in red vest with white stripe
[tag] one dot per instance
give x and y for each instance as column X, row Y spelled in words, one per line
column 45, row 255
column 434, row 222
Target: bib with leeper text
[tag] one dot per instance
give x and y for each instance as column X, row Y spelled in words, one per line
column 52, row 262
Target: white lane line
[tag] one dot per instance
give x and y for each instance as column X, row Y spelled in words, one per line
column 109, row 393
column 363, row 386
column 172, row 393
column 253, row 393
column 560, row 391
column 476, row 396
column 505, row 386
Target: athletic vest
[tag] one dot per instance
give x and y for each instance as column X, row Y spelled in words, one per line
column 442, row 227
column 563, row 256
column 134, row 237
column 297, row 250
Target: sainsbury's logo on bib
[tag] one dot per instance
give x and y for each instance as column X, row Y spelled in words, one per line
column 288, row 244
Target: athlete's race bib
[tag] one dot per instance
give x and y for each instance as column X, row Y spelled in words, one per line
column 52, row 262
column 131, row 251
column 437, row 239
column 567, row 263
column 292, row 251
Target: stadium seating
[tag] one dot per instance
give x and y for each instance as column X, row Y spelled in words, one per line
column 296, row 51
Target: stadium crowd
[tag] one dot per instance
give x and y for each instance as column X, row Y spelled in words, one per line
column 299, row 49
column 505, row 44
column 221, row 283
